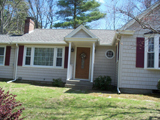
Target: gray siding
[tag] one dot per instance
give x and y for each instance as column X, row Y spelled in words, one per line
column 132, row 77
column 81, row 34
column 7, row 71
column 39, row 74
column 104, row 66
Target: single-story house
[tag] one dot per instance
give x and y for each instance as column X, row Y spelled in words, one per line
column 130, row 56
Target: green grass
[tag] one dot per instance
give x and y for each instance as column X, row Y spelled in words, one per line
column 42, row 103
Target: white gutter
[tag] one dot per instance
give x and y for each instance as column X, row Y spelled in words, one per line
column 16, row 59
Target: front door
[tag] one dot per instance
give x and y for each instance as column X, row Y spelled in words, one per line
column 82, row 63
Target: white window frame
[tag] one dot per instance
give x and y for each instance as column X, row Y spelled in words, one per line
column 110, row 57
column 4, row 54
column 40, row 66
column 156, row 52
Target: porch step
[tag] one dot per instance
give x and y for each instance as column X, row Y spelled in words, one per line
column 79, row 84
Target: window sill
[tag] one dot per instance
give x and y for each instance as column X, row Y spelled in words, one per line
column 152, row 68
column 43, row 67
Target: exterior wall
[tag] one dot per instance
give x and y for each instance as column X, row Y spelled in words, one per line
column 8, row 71
column 81, row 34
column 130, row 76
column 103, row 65
column 41, row 74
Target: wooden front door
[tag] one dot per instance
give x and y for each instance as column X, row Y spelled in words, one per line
column 82, row 63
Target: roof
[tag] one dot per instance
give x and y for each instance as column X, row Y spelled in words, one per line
column 55, row 36
column 131, row 22
column 152, row 32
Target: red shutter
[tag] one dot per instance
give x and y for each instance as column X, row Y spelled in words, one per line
column 140, row 53
column 7, row 58
column 20, row 55
column 66, row 58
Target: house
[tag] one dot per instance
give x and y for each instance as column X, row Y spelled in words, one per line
column 130, row 56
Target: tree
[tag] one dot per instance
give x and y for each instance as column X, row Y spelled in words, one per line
column 12, row 15
column 43, row 12
column 150, row 20
column 76, row 12
column 8, row 106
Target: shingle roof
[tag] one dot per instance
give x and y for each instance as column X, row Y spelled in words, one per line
column 55, row 36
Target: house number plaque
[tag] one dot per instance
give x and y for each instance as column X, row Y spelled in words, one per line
column 83, row 56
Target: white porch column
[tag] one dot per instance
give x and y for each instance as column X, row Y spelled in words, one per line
column 92, row 70
column 69, row 59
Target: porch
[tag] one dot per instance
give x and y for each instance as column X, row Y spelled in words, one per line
column 81, row 55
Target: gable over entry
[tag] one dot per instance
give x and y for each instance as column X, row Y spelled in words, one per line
column 84, row 43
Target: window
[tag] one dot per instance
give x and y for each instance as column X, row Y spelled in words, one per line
column 109, row 54
column 59, row 57
column 44, row 57
column 2, row 50
column 151, row 52
column 28, row 56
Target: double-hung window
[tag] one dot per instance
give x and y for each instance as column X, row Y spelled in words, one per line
column 150, row 54
column 2, row 51
column 44, row 56
column 152, row 51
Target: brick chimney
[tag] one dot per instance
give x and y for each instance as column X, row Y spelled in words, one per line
column 29, row 25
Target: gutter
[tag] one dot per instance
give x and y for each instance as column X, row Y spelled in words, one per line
column 16, row 59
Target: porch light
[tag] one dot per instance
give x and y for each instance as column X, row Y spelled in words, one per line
column 72, row 49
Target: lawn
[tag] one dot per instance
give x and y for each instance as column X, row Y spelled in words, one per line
column 62, row 103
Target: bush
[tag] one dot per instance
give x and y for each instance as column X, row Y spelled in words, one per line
column 8, row 106
column 58, row 82
column 102, row 83
column 158, row 85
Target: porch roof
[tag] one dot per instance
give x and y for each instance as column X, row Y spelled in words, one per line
column 55, row 36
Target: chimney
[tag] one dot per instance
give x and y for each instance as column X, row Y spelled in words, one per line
column 29, row 25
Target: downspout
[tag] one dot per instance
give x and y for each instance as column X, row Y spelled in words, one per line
column 16, row 59
column 118, row 91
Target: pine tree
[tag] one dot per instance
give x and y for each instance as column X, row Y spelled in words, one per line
column 76, row 12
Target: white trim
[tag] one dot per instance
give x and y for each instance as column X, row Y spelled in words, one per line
column 41, row 66
column 4, row 56
column 81, row 27
column 75, row 60
column 30, row 42
column 81, row 39
column 69, row 60
column 112, row 56
column 93, row 54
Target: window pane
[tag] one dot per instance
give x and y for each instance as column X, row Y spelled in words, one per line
column 28, row 53
column 1, row 50
column 151, row 60
column 43, row 56
column 59, row 57
column 151, row 45
column 1, row 60
column 59, row 52
column 28, row 59
column 59, row 62
column 28, row 56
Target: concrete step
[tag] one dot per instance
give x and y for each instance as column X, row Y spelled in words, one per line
column 79, row 84
column 80, row 87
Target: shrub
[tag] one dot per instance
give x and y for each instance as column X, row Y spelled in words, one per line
column 158, row 85
column 102, row 83
column 8, row 106
column 58, row 82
